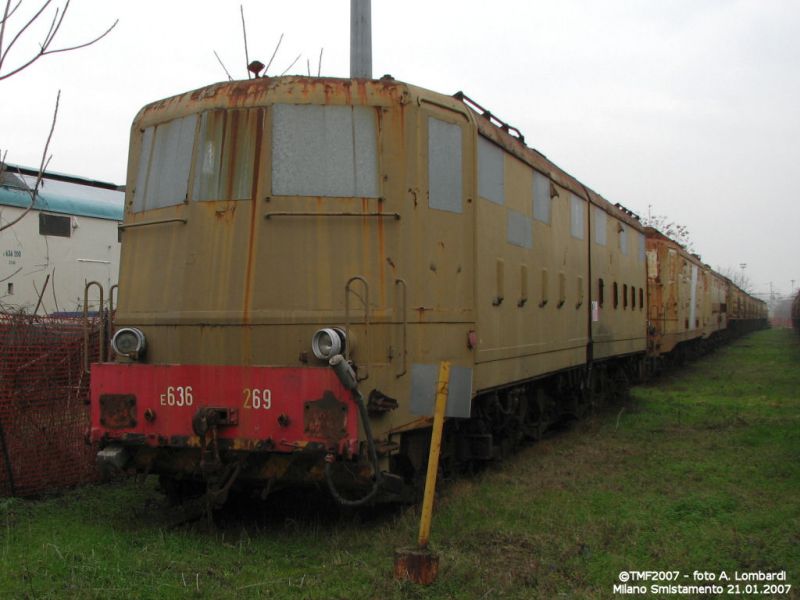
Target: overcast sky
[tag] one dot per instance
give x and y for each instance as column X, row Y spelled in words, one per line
column 686, row 108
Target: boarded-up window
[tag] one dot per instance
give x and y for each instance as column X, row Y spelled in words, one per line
column 55, row 225
column 541, row 197
column 576, row 217
column 165, row 157
column 600, row 226
column 324, row 151
column 444, row 166
column 520, row 229
column 226, row 155
column 490, row 171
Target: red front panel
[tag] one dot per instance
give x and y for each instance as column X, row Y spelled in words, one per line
column 284, row 408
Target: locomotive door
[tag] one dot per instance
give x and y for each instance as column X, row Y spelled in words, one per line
column 440, row 235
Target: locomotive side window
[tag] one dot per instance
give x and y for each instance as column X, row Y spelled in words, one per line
column 164, row 161
column 576, row 217
column 600, row 226
column 541, row 197
column 601, row 286
column 490, row 171
column 444, row 166
column 324, row 151
column 623, row 239
column 225, row 158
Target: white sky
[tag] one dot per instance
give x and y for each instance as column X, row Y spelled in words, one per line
column 690, row 107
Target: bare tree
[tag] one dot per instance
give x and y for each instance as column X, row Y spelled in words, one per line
column 11, row 33
column 15, row 33
column 738, row 277
column 671, row 229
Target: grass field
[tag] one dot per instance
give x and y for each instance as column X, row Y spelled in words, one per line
column 699, row 471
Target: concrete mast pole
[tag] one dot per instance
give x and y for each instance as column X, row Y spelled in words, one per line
column 360, row 39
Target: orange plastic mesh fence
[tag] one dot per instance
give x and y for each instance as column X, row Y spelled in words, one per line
column 44, row 408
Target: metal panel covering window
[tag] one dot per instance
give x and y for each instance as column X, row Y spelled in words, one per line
column 576, row 217
column 600, row 226
column 541, row 197
column 490, row 171
column 164, row 163
column 444, row 166
column 324, row 151
column 520, row 229
column 225, row 159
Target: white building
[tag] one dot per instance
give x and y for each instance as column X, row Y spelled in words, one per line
column 70, row 237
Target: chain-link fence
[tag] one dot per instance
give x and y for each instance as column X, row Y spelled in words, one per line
column 44, row 404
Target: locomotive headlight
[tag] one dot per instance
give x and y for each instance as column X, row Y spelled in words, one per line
column 328, row 342
column 129, row 342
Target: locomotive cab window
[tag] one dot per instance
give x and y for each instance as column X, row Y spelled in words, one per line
column 324, row 151
column 165, row 157
column 225, row 160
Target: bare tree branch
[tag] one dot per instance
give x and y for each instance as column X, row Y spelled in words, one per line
column 42, row 168
column 49, row 38
column 671, row 229
column 8, row 13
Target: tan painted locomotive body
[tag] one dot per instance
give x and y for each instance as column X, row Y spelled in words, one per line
column 260, row 212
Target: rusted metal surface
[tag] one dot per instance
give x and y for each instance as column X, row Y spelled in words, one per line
column 325, row 419
column 262, row 404
column 117, row 411
column 415, row 565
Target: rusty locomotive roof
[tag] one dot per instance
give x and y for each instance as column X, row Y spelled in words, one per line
column 386, row 91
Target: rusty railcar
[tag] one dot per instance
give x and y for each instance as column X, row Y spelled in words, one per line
column 691, row 307
column 687, row 300
column 276, row 226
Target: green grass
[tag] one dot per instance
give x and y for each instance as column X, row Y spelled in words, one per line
column 698, row 471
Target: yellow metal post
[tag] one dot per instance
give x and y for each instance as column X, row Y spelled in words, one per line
column 418, row 564
column 433, row 457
